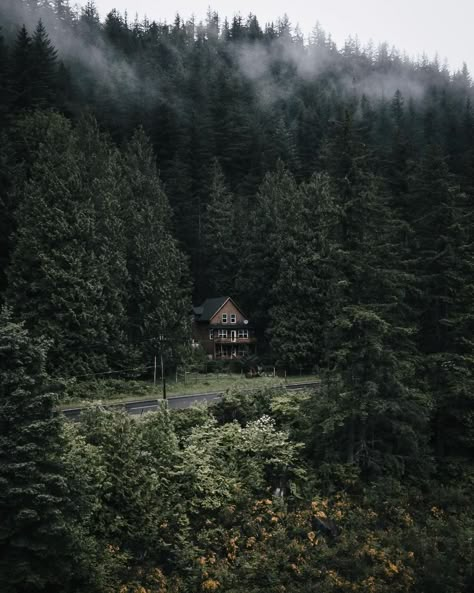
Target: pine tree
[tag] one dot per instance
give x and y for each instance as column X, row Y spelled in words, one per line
column 372, row 408
column 67, row 276
column 44, row 69
column 158, row 289
column 4, row 81
column 301, row 300
column 261, row 252
column 63, row 12
column 21, row 71
column 220, row 240
column 36, row 550
column 442, row 260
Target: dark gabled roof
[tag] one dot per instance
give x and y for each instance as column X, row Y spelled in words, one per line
column 209, row 308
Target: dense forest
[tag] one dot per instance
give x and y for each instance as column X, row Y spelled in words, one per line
column 330, row 190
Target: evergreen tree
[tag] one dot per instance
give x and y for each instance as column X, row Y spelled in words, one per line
column 220, row 237
column 44, row 69
column 63, row 12
column 21, row 71
column 260, row 257
column 89, row 23
column 373, row 408
column 158, row 290
column 67, row 274
column 443, row 259
column 37, row 553
column 301, row 301
column 4, row 82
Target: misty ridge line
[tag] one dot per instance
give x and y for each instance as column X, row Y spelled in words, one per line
column 260, row 63
column 99, row 58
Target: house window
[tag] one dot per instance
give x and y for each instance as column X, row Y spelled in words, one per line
column 233, row 318
column 222, row 333
column 224, row 317
column 243, row 333
column 211, row 334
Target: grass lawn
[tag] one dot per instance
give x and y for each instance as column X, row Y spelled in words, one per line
column 119, row 391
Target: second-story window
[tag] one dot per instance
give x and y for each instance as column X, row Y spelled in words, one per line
column 243, row 333
column 233, row 318
column 224, row 317
column 211, row 334
column 222, row 333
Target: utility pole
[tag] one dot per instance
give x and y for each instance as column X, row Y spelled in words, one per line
column 154, row 373
column 163, row 378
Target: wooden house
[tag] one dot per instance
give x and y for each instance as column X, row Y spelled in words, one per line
column 223, row 330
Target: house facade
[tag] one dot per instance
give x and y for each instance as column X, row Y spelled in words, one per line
column 223, row 330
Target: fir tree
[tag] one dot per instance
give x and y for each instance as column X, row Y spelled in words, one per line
column 36, row 547
column 67, row 275
column 442, row 260
column 21, row 71
column 4, row 82
column 220, row 253
column 44, row 69
column 301, row 298
column 373, row 405
column 262, row 244
column 158, row 290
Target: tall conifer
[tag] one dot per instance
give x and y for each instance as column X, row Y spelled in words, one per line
column 158, row 288
column 36, row 547
column 67, row 276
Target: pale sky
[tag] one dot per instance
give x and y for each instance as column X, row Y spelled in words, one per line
column 416, row 26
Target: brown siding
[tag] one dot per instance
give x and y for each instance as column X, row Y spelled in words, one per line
column 201, row 331
column 228, row 308
column 201, row 335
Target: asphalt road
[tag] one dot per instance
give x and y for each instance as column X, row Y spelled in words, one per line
column 137, row 408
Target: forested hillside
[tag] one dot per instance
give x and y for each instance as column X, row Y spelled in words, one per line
column 329, row 190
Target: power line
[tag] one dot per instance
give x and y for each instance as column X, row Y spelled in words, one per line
column 140, row 368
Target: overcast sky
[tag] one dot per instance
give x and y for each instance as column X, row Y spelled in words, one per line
column 416, row 26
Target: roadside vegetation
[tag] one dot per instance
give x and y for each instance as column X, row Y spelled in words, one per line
column 118, row 391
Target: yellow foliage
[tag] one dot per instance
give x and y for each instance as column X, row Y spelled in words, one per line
column 391, row 569
column 210, row 585
column 232, row 548
column 320, row 514
column 250, row 542
column 371, row 514
column 369, row 585
column 437, row 512
column 339, row 581
column 158, row 578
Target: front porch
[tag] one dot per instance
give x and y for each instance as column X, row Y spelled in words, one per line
column 232, row 350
